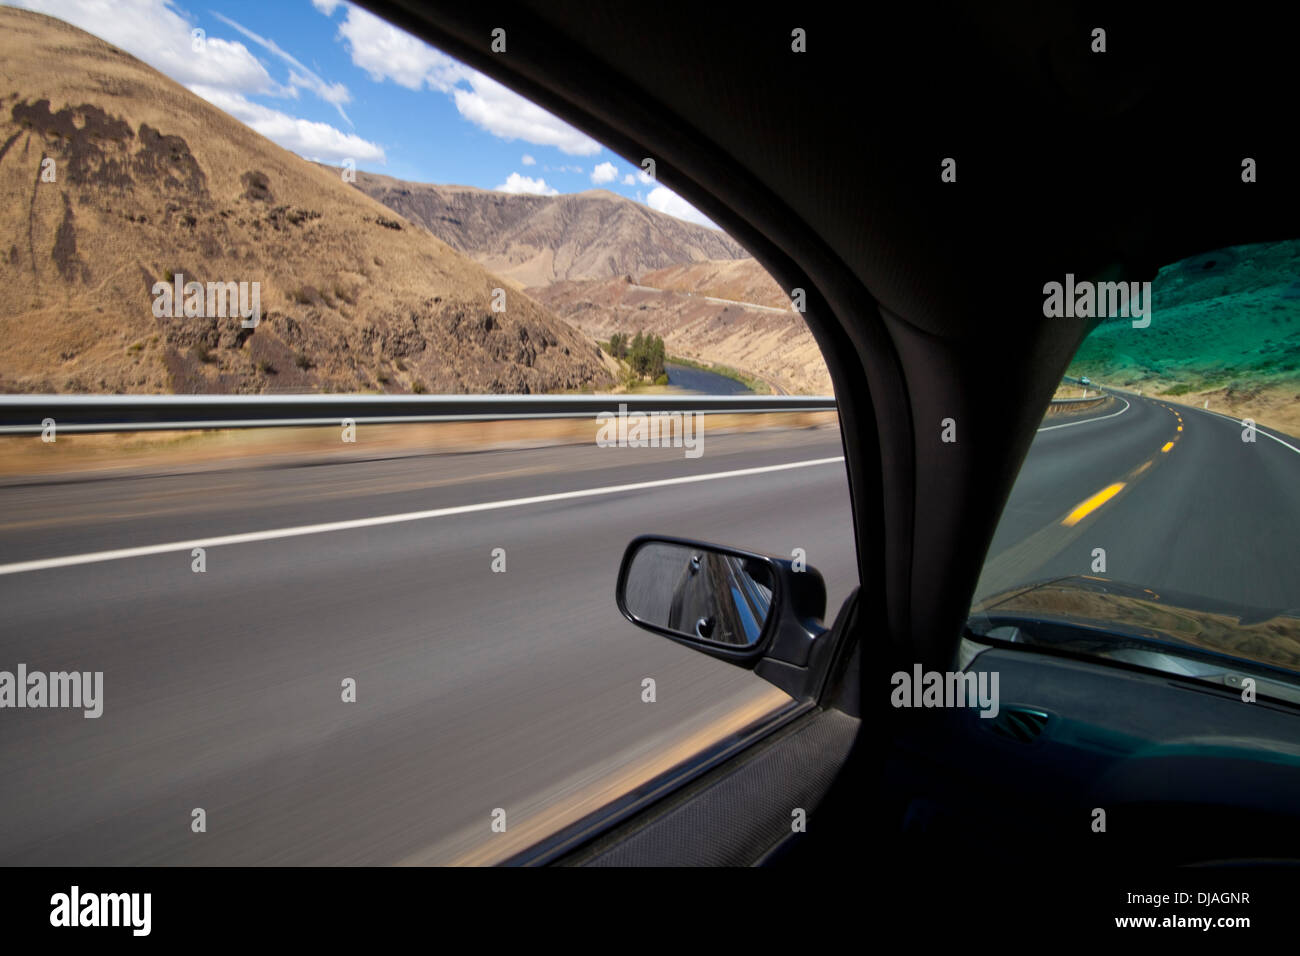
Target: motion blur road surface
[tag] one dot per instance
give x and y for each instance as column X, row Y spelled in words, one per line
column 475, row 690
column 479, row 690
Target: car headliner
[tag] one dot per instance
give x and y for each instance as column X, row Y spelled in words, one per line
column 925, row 296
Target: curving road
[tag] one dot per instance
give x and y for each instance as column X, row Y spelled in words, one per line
column 478, row 690
column 1198, row 510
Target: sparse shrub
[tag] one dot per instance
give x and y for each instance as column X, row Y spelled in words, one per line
column 662, row 379
column 201, row 352
column 299, row 216
column 381, row 378
column 135, row 347
column 302, row 361
column 265, row 367
column 306, row 295
column 418, row 387
column 257, row 186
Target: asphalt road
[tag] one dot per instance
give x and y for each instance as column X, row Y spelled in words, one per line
column 1212, row 516
column 477, row 690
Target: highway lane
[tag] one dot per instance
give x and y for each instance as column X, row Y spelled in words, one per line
column 475, row 690
column 45, row 518
column 1211, row 516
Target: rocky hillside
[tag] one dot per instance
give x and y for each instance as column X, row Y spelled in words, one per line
column 742, row 280
column 115, row 178
column 536, row 240
column 1225, row 328
column 768, row 342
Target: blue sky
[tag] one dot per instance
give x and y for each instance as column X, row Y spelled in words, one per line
column 332, row 82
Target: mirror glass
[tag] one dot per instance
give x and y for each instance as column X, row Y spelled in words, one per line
column 699, row 592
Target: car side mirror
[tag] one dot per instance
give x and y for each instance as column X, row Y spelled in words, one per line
column 752, row 609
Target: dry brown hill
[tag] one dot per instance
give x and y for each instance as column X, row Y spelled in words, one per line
column 150, row 180
column 535, row 240
column 764, row 342
column 742, row 280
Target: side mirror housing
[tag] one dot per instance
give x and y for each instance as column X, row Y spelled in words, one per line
column 751, row 609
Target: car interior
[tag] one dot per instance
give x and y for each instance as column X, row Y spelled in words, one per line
column 924, row 292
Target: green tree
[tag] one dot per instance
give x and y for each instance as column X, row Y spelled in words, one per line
column 646, row 356
column 656, row 358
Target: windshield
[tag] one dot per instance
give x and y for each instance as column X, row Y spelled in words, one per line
column 1160, row 500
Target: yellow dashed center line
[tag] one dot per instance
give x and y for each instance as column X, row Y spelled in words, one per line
column 1180, row 427
column 1087, row 507
column 1168, row 445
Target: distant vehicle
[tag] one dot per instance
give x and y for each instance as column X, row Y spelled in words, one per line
column 1085, row 381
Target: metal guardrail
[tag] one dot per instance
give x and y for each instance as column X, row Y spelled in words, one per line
column 26, row 414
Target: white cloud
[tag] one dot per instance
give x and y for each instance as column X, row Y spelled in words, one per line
column 156, row 33
column 528, row 160
column 300, row 76
column 629, row 180
column 386, row 52
column 326, row 7
column 604, row 173
column 223, row 72
column 665, row 200
column 507, row 115
column 516, row 183
column 318, row 141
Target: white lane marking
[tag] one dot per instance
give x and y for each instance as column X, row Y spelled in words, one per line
column 93, row 557
column 1100, row 418
column 1237, row 421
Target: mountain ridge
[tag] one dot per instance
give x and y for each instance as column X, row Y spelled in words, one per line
column 535, row 240
column 147, row 180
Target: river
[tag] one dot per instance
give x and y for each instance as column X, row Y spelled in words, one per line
column 705, row 383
